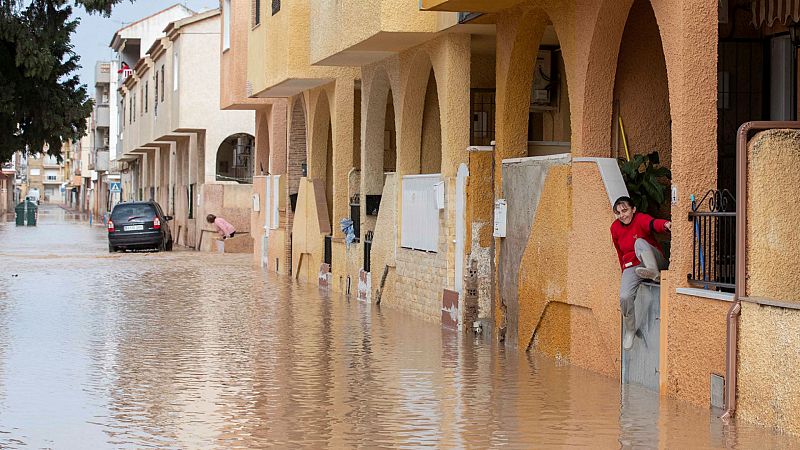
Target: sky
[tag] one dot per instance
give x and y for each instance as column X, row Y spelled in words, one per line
column 94, row 32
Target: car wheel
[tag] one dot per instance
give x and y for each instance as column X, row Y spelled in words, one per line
column 111, row 248
column 162, row 247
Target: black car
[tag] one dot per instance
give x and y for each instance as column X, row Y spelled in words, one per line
column 139, row 225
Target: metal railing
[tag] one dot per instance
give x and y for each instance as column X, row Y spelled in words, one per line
column 714, row 241
column 355, row 215
column 328, row 252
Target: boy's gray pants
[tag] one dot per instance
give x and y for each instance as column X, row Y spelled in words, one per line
column 650, row 257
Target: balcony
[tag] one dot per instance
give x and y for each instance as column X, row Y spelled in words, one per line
column 279, row 53
column 467, row 5
column 360, row 32
column 102, row 73
column 102, row 116
column 50, row 161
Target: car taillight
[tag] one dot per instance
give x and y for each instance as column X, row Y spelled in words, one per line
column 110, row 226
column 156, row 223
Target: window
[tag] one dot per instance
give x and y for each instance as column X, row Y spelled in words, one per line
column 35, row 172
column 175, row 69
column 226, row 25
column 276, row 6
column 256, row 12
column 122, row 108
column 162, row 82
column 105, row 96
column 191, row 201
column 146, row 98
column 155, row 97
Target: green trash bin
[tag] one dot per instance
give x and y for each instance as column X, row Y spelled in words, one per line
column 20, row 211
column 32, row 213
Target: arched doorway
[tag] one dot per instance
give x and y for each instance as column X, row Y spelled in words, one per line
column 235, row 159
column 641, row 94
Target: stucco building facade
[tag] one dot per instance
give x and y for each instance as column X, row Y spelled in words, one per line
column 178, row 147
column 413, row 118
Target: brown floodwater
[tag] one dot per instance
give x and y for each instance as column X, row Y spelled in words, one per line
column 197, row 350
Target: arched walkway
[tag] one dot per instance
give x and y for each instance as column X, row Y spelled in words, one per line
column 235, row 159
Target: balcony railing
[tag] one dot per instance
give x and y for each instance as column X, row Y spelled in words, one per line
column 714, row 241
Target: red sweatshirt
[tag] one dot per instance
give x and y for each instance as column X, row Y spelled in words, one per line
column 624, row 236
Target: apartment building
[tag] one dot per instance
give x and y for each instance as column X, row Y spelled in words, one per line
column 479, row 140
column 180, row 149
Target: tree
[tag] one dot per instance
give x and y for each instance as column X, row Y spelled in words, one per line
column 42, row 102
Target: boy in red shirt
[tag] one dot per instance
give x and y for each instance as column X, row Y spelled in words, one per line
column 640, row 257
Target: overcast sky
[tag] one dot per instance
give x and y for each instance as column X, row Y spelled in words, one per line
column 95, row 31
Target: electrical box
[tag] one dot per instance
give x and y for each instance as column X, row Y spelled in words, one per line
column 438, row 190
column 542, row 78
column 500, row 218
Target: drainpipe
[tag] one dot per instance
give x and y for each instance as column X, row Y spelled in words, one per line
column 731, row 345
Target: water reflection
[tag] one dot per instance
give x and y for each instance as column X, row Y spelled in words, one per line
column 189, row 350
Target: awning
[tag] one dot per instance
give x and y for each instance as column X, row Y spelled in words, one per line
column 770, row 11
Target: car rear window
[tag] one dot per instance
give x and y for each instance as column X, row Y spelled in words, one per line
column 133, row 213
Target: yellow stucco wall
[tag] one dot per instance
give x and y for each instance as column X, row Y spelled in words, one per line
column 279, row 49
column 769, row 361
column 769, row 367
column 693, row 340
column 543, row 270
column 308, row 231
column 773, row 242
column 593, row 274
column 344, row 25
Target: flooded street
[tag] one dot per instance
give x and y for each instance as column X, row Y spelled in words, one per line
column 191, row 350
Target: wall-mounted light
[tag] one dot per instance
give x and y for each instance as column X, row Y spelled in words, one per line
column 794, row 33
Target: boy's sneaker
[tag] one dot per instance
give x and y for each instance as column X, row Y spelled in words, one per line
column 648, row 273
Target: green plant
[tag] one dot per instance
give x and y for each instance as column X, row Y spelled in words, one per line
column 643, row 175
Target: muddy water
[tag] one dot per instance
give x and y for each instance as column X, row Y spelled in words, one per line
column 189, row 350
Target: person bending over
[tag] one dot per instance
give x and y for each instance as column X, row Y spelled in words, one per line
column 640, row 257
column 225, row 229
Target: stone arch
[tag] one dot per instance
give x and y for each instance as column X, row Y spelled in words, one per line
column 379, row 132
column 521, row 33
column 420, row 147
column 298, row 138
column 320, row 161
column 641, row 90
column 234, row 159
column 261, row 163
column 601, row 67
